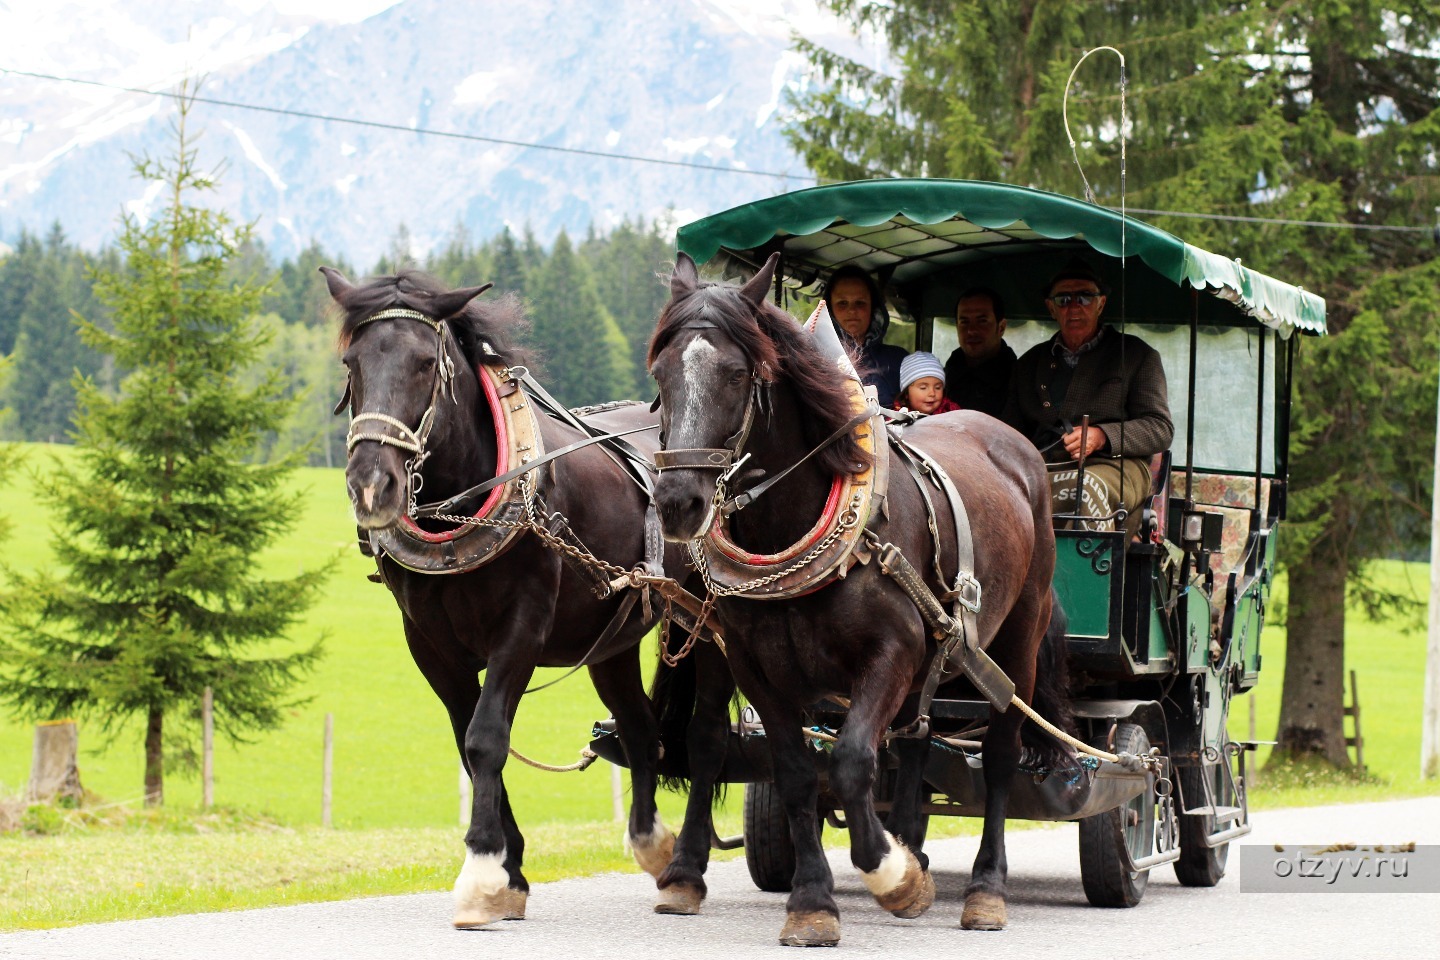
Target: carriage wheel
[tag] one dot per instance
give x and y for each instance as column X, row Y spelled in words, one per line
column 1105, row 838
column 1199, row 865
column 769, row 848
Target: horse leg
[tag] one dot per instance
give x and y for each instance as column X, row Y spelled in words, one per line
column 617, row 681
column 985, row 896
column 517, row 891
column 811, row 917
column 489, row 881
column 907, row 821
column 1014, row 649
column 891, row 872
column 682, row 884
column 453, row 675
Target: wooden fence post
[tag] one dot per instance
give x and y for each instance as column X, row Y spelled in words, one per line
column 467, row 789
column 329, row 769
column 617, row 794
column 207, row 762
column 1254, row 774
column 1353, row 712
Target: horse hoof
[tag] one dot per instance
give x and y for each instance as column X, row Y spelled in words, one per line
column 482, row 911
column 514, row 903
column 983, row 911
column 899, row 884
column 814, row 929
column 680, row 899
column 653, row 853
column 924, row 897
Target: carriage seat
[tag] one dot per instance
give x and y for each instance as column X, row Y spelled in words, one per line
column 1232, row 496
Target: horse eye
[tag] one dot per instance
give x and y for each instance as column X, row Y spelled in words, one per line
column 737, row 378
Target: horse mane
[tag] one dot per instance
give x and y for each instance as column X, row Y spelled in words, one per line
column 781, row 351
column 500, row 322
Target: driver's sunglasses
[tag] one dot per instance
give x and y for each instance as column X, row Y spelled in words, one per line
column 1063, row 300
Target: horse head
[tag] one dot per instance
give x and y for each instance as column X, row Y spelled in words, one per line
column 407, row 376
column 711, row 363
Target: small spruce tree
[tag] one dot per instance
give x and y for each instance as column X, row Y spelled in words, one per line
column 161, row 518
column 585, row 353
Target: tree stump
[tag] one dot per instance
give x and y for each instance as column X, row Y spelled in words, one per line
column 54, row 766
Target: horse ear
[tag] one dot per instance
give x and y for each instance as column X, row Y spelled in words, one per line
column 336, row 281
column 449, row 304
column 685, row 278
column 758, row 286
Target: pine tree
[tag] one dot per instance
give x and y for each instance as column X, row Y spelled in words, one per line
column 1311, row 112
column 625, row 266
column 156, row 594
column 19, row 273
column 585, row 353
column 299, row 294
column 48, row 349
column 508, row 272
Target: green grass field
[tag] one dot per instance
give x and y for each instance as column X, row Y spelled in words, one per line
column 396, row 793
column 395, row 760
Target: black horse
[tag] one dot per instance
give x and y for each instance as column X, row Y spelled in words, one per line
column 723, row 357
column 435, row 401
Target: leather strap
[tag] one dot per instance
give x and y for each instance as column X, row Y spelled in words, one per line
column 460, row 500
column 635, row 463
column 744, row 500
column 958, row 632
column 694, row 458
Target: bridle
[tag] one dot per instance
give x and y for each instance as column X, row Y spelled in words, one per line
column 413, row 441
column 727, row 459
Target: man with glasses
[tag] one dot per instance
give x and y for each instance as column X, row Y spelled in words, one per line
column 1089, row 369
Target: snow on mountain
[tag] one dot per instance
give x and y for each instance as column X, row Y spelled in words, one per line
column 699, row 81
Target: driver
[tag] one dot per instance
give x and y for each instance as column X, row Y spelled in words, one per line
column 1090, row 368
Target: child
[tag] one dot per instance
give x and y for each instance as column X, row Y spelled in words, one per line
column 922, row 385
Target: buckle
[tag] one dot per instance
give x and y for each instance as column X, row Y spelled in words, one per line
column 966, row 588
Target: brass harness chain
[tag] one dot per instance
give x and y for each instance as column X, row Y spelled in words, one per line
column 635, row 578
column 847, row 520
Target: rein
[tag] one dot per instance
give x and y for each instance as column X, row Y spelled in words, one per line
column 433, row 510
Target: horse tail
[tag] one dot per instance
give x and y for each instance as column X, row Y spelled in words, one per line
column 1051, row 698
column 674, row 696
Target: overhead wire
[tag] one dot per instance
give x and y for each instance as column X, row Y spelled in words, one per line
column 636, row 158
column 427, row 131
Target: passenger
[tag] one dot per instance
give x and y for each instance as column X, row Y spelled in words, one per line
column 922, row 385
column 860, row 315
column 977, row 374
column 1088, row 368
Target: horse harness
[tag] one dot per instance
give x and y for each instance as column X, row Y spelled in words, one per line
column 842, row 538
column 511, row 503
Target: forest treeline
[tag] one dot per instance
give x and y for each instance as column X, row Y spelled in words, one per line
column 592, row 304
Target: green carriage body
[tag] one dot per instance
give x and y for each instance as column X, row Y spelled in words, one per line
column 1163, row 630
column 1142, row 616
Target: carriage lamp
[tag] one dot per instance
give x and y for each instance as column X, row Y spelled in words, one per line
column 1201, row 531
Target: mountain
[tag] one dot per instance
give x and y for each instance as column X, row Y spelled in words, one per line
column 697, row 81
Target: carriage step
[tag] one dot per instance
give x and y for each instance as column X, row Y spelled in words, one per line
column 1221, row 814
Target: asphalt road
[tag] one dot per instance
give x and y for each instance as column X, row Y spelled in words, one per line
column 610, row 916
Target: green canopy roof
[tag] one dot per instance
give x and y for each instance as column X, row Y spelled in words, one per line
column 921, row 234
